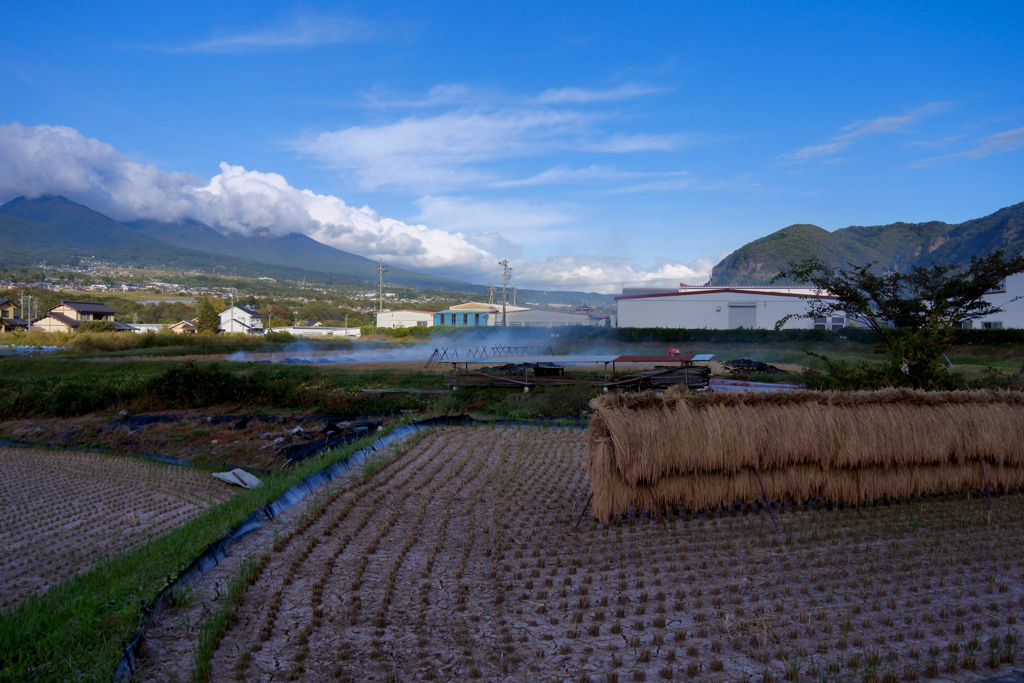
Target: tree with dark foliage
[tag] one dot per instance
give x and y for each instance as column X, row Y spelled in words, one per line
column 208, row 320
column 913, row 313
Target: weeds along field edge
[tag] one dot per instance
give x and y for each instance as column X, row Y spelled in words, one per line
column 78, row 629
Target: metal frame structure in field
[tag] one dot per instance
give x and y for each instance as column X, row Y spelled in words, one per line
column 684, row 361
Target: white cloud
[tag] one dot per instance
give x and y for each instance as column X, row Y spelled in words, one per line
column 455, row 150
column 466, row 237
column 934, row 143
column 564, row 174
column 608, row 275
column 58, row 160
column 625, row 144
column 530, row 222
column 586, row 95
column 438, row 153
column 43, row 160
column 863, row 129
column 438, row 96
column 300, row 30
column 1006, row 141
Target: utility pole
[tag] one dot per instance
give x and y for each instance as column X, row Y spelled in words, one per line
column 506, row 275
column 490, row 299
column 381, row 269
column 514, row 291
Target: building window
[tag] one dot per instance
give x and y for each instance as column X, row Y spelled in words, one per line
column 5, row 313
column 819, row 323
column 997, row 325
column 1001, row 287
column 966, row 325
column 476, row 319
column 421, row 323
column 465, row 318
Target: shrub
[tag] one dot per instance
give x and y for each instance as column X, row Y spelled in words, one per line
column 97, row 326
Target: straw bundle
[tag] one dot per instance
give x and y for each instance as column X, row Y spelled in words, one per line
column 656, row 450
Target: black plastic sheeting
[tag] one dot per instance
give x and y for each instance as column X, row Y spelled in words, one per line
column 304, row 450
column 217, row 550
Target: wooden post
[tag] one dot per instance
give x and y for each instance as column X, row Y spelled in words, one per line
column 987, row 494
column 583, row 511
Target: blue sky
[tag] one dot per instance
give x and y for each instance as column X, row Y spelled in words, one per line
column 591, row 144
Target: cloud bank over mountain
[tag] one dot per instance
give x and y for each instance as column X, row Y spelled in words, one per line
column 57, row 160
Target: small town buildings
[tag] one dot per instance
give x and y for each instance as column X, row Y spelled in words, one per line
column 10, row 317
column 721, row 308
column 241, row 320
column 407, row 318
column 68, row 316
column 475, row 314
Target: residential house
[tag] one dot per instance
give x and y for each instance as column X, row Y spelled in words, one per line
column 241, row 320
column 10, row 320
column 184, row 327
column 68, row 316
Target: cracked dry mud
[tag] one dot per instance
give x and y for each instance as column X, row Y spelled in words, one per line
column 460, row 559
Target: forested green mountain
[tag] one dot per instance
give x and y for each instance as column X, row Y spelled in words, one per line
column 895, row 246
column 57, row 230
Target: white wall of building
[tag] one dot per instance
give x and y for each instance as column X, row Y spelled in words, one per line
column 345, row 332
column 396, row 319
column 547, row 318
column 240, row 320
column 718, row 309
column 1012, row 315
column 149, row 327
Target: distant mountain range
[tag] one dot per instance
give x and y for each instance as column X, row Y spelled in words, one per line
column 896, row 246
column 57, row 230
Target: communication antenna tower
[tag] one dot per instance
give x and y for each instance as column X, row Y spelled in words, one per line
column 381, row 269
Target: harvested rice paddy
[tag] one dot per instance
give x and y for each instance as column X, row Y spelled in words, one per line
column 64, row 510
column 459, row 558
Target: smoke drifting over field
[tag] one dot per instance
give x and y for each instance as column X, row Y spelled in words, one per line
column 303, row 352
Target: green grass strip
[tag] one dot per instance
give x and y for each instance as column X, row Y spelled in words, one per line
column 217, row 624
column 76, row 631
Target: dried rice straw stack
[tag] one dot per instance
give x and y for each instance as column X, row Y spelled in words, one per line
column 658, row 450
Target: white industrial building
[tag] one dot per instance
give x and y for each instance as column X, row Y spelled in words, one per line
column 474, row 314
column 321, row 331
column 396, row 319
column 1010, row 298
column 540, row 317
column 721, row 308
